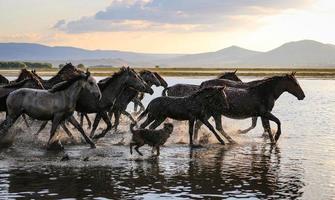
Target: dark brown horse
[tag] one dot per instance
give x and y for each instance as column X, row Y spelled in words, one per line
column 258, row 100
column 197, row 106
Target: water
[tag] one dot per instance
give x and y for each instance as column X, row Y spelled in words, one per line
column 301, row 165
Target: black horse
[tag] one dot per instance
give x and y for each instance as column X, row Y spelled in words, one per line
column 258, row 99
column 196, row 106
column 181, row 90
column 128, row 94
column 111, row 88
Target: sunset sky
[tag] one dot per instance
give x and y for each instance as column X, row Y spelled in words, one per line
column 167, row 26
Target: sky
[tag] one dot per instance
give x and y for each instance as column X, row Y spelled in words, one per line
column 167, row 26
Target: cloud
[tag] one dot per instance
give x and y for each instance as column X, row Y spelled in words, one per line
column 183, row 15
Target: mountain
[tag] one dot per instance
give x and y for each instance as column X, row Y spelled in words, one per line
column 37, row 52
column 227, row 56
column 301, row 53
column 304, row 53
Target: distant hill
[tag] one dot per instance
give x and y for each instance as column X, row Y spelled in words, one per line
column 304, row 53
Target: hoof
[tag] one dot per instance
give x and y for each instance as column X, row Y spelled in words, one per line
column 93, row 146
column 86, row 159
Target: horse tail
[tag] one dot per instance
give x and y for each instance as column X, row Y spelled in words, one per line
column 164, row 91
column 143, row 114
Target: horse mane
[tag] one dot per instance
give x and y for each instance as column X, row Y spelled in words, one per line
column 265, row 81
column 203, row 90
column 104, row 83
column 65, row 84
column 144, row 71
column 15, row 84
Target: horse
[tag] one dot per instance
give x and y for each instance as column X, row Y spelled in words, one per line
column 193, row 107
column 128, row 94
column 3, row 80
column 137, row 100
column 257, row 100
column 180, row 90
column 56, row 104
column 111, row 88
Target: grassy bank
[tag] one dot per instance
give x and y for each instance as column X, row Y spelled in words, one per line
column 302, row 72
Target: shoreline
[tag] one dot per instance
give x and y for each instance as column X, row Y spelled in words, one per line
column 255, row 72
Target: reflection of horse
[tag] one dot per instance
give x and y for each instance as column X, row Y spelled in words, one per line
column 57, row 104
column 196, row 106
column 257, row 100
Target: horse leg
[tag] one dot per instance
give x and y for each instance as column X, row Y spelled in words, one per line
column 218, row 124
column 213, row 130
column 198, row 125
column 89, row 123
column 81, row 119
column 156, row 123
column 267, row 128
column 55, row 123
column 25, row 120
column 117, row 115
column 190, row 130
column 67, row 131
column 273, row 118
column 41, row 127
column 74, row 122
column 253, row 125
column 109, row 125
column 128, row 115
column 95, row 124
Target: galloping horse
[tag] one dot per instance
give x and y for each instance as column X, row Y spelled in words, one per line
column 128, row 94
column 257, row 100
column 56, row 104
column 111, row 88
column 197, row 106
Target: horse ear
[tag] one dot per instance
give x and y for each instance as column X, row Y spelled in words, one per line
column 293, row 73
column 235, row 71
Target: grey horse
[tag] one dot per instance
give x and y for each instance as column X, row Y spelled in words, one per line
column 56, row 104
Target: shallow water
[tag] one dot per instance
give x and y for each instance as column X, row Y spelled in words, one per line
column 301, row 165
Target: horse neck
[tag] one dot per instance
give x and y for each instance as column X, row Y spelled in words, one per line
column 274, row 87
column 113, row 90
column 72, row 92
column 53, row 80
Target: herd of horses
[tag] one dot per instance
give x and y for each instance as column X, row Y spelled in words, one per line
column 72, row 89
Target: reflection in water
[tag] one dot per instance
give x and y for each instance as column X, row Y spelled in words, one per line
column 235, row 171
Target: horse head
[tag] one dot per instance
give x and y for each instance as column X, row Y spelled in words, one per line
column 230, row 76
column 90, row 84
column 293, row 86
column 161, row 80
column 149, row 78
column 134, row 81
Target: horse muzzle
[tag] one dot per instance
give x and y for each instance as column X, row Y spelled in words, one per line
column 149, row 90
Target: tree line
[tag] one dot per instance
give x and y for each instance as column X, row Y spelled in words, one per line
column 20, row 65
